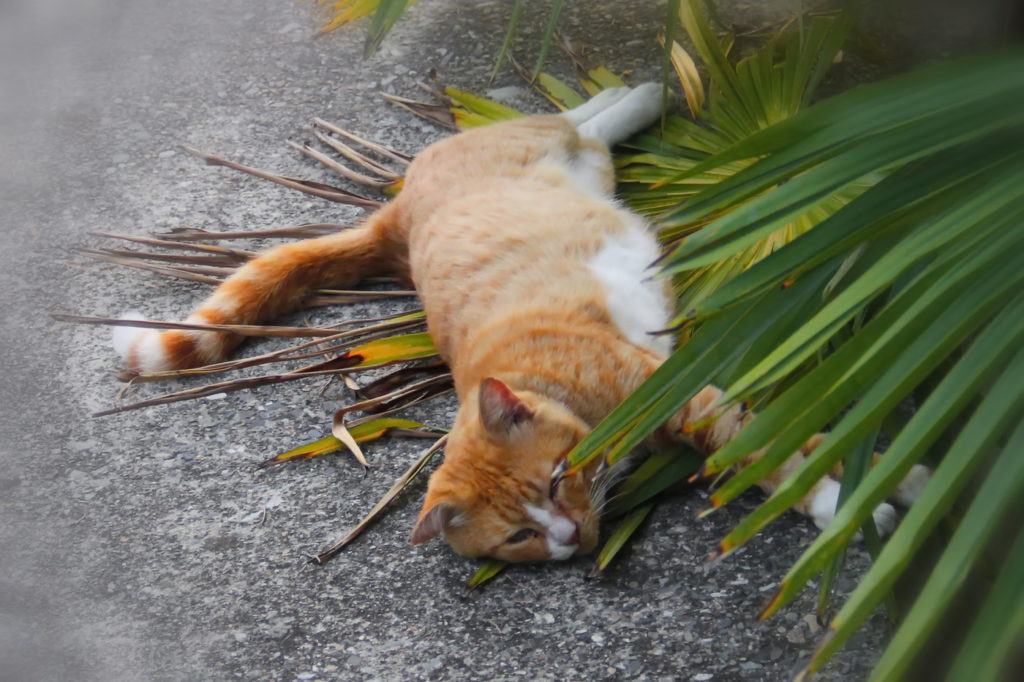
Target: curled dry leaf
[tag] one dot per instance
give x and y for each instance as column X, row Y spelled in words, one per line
column 689, row 77
column 341, row 432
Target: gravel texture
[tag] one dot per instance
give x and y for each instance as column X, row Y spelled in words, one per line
column 145, row 546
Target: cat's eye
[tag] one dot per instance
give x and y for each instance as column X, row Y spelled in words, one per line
column 522, row 536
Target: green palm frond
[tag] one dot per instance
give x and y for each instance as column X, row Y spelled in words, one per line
column 743, row 98
column 912, row 288
column 384, row 15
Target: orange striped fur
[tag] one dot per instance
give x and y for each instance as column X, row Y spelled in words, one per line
column 536, row 291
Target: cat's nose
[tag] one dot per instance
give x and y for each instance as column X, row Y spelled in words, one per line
column 574, row 539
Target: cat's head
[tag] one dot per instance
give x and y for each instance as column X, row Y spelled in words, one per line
column 492, row 495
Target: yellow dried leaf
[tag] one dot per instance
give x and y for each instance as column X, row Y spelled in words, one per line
column 560, row 94
column 605, row 79
column 483, row 106
column 693, row 87
column 388, row 351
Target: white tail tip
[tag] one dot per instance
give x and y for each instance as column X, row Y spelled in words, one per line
column 140, row 349
column 124, row 337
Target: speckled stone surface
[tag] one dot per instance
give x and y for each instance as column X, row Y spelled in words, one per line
column 145, row 546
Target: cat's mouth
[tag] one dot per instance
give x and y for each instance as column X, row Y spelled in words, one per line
column 568, row 547
column 584, row 537
column 577, row 499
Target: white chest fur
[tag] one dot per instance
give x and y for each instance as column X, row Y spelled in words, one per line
column 637, row 303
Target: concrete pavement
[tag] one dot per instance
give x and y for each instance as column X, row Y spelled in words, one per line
column 136, row 547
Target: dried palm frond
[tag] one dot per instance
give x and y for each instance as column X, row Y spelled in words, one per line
column 297, row 232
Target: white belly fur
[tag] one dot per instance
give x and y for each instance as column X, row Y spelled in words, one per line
column 637, row 303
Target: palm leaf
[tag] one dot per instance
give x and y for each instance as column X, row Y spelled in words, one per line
column 387, row 351
column 399, row 485
column 998, row 412
column 913, row 282
column 510, row 32
column 997, row 499
column 627, row 527
column 745, row 98
column 548, row 37
column 384, row 15
column 995, row 633
column 658, row 472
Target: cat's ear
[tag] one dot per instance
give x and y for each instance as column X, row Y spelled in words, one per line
column 431, row 522
column 500, row 408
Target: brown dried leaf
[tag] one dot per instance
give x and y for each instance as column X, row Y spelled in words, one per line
column 439, row 114
column 387, row 152
column 318, row 189
column 234, row 254
column 298, row 232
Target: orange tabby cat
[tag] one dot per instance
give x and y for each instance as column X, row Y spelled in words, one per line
column 537, row 293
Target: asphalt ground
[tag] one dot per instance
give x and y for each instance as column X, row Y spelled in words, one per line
column 146, row 545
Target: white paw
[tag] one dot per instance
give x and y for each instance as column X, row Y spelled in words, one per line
column 823, row 504
column 636, row 111
column 641, row 108
column 885, row 519
column 912, row 484
column 600, row 102
column 649, row 94
column 823, row 509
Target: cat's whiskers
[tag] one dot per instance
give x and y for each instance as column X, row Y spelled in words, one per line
column 600, row 485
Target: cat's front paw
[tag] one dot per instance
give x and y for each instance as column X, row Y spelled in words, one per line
column 823, row 510
column 823, row 504
column 885, row 519
column 912, row 484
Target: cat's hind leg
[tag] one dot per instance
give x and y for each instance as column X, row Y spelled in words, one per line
column 637, row 110
column 595, row 105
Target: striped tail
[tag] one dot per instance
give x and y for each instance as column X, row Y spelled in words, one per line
column 273, row 283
